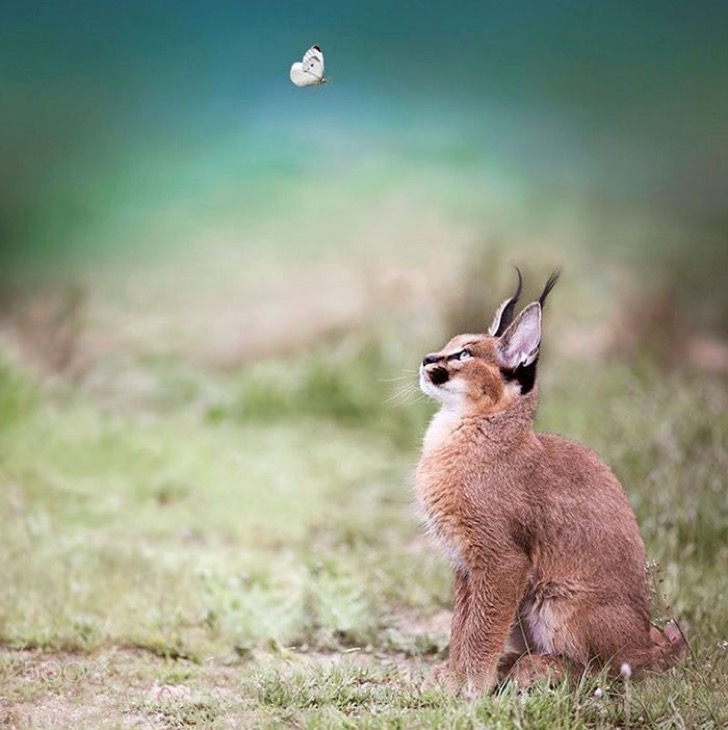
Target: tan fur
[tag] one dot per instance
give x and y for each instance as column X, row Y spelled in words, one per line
column 548, row 560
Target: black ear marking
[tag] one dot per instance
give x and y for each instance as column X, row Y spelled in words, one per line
column 524, row 375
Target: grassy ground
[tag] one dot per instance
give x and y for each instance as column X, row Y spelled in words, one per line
column 195, row 536
column 244, row 553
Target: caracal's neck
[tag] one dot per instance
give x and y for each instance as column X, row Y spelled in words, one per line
column 459, row 428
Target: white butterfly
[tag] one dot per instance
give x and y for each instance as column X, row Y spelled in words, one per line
column 310, row 71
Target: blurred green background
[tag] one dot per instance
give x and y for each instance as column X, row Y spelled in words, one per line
column 133, row 133
column 139, row 124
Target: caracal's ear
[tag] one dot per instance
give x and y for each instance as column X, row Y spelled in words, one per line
column 504, row 313
column 518, row 345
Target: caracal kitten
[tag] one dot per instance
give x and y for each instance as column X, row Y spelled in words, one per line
column 548, row 560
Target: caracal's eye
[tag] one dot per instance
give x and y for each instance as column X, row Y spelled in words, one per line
column 465, row 355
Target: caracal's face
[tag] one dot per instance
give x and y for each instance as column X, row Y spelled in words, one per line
column 465, row 374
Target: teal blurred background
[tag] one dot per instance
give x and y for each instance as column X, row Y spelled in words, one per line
column 140, row 124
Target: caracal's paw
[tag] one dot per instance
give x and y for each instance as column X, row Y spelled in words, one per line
column 442, row 677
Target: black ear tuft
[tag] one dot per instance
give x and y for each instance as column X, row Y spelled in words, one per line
column 507, row 312
column 550, row 284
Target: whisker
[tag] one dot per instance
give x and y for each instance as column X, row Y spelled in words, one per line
column 409, row 393
column 402, row 393
column 411, row 400
column 399, row 398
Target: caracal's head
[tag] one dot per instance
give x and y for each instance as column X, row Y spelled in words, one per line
column 485, row 373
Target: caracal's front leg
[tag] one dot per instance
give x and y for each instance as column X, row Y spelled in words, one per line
column 446, row 674
column 461, row 595
column 494, row 594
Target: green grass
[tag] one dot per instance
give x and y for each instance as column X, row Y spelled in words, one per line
column 252, row 538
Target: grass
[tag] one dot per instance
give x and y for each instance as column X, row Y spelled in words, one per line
column 250, row 539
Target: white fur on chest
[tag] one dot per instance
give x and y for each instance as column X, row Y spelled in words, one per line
column 440, row 539
column 438, row 433
column 441, row 427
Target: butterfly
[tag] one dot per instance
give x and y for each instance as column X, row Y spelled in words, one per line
column 309, row 71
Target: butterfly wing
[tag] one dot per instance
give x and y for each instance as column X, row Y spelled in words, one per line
column 301, row 77
column 313, row 61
